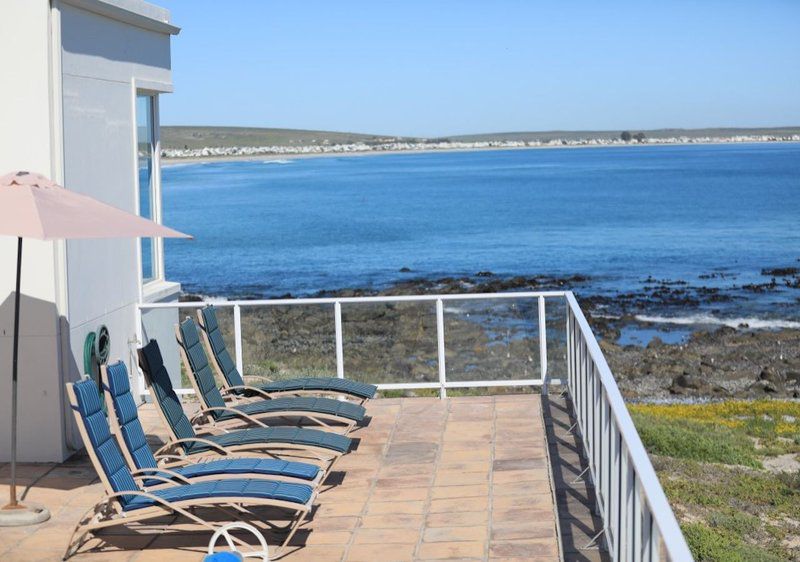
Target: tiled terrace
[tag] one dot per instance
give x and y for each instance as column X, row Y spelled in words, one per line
column 463, row 478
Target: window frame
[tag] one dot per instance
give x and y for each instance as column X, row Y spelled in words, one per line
column 157, row 257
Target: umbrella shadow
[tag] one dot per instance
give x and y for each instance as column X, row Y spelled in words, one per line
column 46, row 363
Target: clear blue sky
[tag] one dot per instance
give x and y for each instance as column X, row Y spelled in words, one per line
column 437, row 67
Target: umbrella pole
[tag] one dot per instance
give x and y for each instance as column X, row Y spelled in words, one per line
column 13, row 504
column 15, row 514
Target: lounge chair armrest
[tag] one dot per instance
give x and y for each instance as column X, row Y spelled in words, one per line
column 170, row 460
column 210, row 444
column 162, row 480
column 254, row 389
column 209, row 429
column 160, row 474
column 236, row 413
column 229, row 396
column 199, row 418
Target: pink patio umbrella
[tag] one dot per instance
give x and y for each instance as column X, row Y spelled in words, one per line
column 33, row 206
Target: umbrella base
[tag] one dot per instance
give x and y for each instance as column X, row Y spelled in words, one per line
column 23, row 514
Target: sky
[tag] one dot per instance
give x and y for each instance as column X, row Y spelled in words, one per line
column 440, row 67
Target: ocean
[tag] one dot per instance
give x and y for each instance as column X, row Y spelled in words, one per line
column 713, row 216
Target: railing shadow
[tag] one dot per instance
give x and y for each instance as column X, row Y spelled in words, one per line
column 575, row 499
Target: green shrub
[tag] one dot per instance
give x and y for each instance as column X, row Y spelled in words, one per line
column 696, row 441
column 714, row 545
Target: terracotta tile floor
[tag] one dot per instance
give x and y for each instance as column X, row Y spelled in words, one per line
column 464, row 478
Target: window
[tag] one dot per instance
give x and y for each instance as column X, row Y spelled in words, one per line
column 146, row 168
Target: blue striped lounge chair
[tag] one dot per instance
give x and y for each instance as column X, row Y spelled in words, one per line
column 127, row 500
column 125, row 425
column 278, row 442
column 322, row 411
column 300, row 386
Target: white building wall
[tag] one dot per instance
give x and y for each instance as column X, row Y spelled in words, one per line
column 77, row 79
column 103, row 62
column 25, row 144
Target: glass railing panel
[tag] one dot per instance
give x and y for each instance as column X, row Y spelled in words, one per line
column 492, row 340
column 556, row 331
column 286, row 341
column 390, row 343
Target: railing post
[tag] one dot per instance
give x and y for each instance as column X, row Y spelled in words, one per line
column 337, row 314
column 440, row 345
column 237, row 337
column 543, row 344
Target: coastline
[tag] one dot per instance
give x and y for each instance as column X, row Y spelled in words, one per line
column 172, row 161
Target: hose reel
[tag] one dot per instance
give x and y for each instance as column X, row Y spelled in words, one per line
column 96, row 349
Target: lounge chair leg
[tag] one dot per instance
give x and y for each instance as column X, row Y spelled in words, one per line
column 76, row 539
column 333, row 462
column 329, row 471
column 288, row 538
column 74, row 543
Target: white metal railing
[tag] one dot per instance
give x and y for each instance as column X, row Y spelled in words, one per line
column 639, row 524
column 442, row 385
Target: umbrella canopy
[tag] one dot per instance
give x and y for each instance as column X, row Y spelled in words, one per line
column 33, row 206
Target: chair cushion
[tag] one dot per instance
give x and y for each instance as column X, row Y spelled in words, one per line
column 262, row 467
column 105, row 447
column 221, row 355
column 198, row 363
column 328, row 384
column 128, row 416
column 233, row 488
column 152, row 365
column 340, row 408
column 264, row 436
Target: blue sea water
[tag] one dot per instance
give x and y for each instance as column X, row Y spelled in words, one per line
column 617, row 214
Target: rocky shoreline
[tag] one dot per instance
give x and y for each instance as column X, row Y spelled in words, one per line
column 498, row 340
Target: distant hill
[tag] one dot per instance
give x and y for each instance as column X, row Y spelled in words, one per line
column 214, row 137
column 220, row 137
column 652, row 133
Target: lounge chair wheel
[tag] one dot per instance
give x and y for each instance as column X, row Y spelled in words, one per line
column 224, row 532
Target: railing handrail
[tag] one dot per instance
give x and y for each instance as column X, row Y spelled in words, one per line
column 355, row 300
column 671, row 534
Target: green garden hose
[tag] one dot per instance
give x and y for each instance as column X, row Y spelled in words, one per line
column 96, row 349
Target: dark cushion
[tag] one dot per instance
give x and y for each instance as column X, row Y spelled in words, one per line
column 105, row 447
column 276, row 435
column 233, row 488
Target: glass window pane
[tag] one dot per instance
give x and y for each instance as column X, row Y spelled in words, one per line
column 145, row 137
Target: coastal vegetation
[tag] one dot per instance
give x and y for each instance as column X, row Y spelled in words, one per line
column 730, row 472
column 218, row 137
